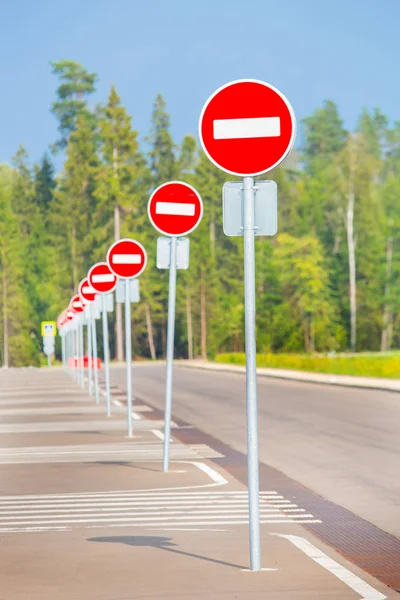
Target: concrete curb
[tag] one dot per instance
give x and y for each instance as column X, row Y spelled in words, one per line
column 373, row 383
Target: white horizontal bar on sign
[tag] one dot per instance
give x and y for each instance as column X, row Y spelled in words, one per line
column 87, row 289
column 76, row 304
column 184, row 209
column 228, row 129
column 127, row 259
column 104, row 278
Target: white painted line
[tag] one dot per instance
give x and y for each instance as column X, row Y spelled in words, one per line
column 136, row 417
column 160, row 435
column 229, row 129
column 126, row 259
column 216, row 477
column 149, row 526
column 144, row 519
column 87, row 289
column 103, row 278
column 354, row 582
column 117, row 403
column 139, row 511
column 162, row 492
column 134, row 502
column 184, row 209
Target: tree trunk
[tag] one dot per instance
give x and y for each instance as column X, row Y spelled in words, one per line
column 387, row 316
column 203, row 317
column 189, row 324
column 352, row 268
column 119, row 345
column 5, row 321
column 150, row 331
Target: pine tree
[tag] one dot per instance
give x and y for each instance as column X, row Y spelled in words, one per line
column 163, row 163
column 15, row 310
column 73, row 208
column 121, row 182
column 76, row 84
column 44, row 184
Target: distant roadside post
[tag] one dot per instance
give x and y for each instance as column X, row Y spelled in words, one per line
column 104, row 281
column 87, row 295
column 69, row 318
column 175, row 209
column 127, row 259
column 246, row 128
column 48, row 329
column 77, row 307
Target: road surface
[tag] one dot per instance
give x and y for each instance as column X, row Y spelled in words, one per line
column 343, row 443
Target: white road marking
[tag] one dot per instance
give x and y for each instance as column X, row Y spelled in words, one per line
column 151, row 527
column 103, row 278
column 160, row 435
column 141, row 508
column 354, row 582
column 229, row 129
column 136, row 417
column 184, row 209
column 126, row 259
column 133, row 493
column 216, row 477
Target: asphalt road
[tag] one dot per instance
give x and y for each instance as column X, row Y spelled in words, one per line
column 343, row 443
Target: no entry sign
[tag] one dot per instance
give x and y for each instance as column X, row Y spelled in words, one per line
column 247, row 127
column 127, row 258
column 175, row 208
column 86, row 292
column 76, row 304
column 102, row 279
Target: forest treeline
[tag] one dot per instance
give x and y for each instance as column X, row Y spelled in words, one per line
column 330, row 279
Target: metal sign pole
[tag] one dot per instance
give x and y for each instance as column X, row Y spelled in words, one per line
column 81, row 353
column 95, row 369
column 128, row 355
column 251, row 374
column 76, row 355
column 68, row 349
column 62, row 351
column 89, row 349
column 106, row 354
column 170, row 353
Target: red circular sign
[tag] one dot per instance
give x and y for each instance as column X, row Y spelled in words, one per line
column 76, row 304
column 102, row 279
column 247, row 127
column 86, row 292
column 175, row 208
column 127, row 258
column 70, row 315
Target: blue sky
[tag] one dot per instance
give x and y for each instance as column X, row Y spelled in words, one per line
column 345, row 50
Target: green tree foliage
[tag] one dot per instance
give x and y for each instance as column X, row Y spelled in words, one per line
column 330, row 280
column 17, row 344
column 76, row 84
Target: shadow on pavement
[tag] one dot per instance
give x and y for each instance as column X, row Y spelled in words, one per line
column 163, row 543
